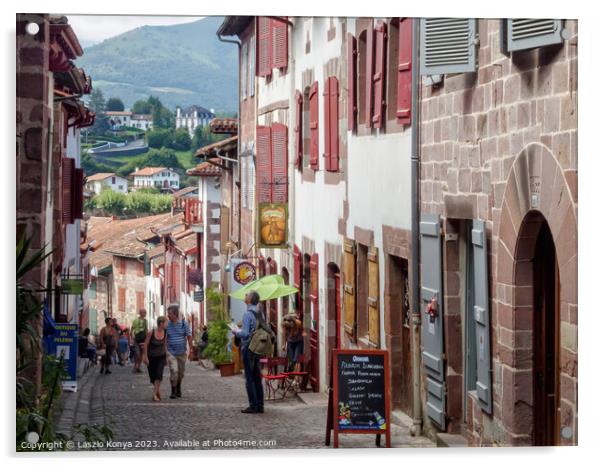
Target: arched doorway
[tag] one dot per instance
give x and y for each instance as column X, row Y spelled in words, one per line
column 333, row 309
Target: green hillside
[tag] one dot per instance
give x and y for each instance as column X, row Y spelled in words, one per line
column 183, row 64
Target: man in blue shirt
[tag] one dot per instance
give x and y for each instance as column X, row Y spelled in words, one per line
column 178, row 333
column 249, row 359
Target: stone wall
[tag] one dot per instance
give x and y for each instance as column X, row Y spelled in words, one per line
column 496, row 145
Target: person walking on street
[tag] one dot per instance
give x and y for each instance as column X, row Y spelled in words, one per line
column 108, row 341
column 293, row 339
column 250, row 360
column 154, row 355
column 178, row 333
column 123, row 347
column 138, row 333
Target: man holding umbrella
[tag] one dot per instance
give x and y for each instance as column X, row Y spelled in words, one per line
column 251, row 360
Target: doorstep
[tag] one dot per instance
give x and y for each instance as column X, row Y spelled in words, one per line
column 451, row 440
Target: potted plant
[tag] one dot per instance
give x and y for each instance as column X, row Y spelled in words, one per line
column 218, row 333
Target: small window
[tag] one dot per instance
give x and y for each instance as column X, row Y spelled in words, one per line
column 112, row 180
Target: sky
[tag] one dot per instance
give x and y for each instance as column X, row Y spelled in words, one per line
column 91, row 29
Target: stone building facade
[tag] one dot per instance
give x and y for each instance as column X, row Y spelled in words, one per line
column 500, row 145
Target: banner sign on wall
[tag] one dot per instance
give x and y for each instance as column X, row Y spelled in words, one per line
column 273, row 224
column 63, row 342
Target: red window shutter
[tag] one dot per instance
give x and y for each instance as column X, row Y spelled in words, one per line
column 139, row 300
column 176, row 279
column 279, row 43
column 313, row 127
column 298, row 130
column 78, row 193
column 314, row 288
column 121, row 299
column 378, row 78
column 263, row 53
column 67, row 188
column 333, row 104
column 404, row 75
column 279, row 163
column 261, row 267
column 351, row 81
column 264, row 164
column 369, row 72
column 327, row 123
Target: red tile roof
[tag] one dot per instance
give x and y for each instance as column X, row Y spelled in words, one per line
column 148, row 171
column 206, row 169
column 227, row 145
column 100, row 176
column 224, row 126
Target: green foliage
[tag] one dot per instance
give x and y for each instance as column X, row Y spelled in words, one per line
column 203, row 137
column 181, row 140
column 141, row 107
column 141, row 203
column 97, row 101
column 91, row 166
column 159, row 137
column 114, row 104
column 218, row 330
column 153, row 158
column 110, row 202
column 148, row 190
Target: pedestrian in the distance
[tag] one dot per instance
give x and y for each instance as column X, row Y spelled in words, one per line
column 123, row 347
column 250, row 360
column 154, row 356
column 108, row 341
column 293, row 338
column 138, row 337
column 178, row 334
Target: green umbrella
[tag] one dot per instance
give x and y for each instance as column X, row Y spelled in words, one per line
column 268, row 287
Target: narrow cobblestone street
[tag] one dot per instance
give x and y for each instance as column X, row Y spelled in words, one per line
column 209, row 411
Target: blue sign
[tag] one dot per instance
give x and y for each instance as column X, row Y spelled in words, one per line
column 63, row 342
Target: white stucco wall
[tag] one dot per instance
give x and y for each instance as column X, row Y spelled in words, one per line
column 209, row 193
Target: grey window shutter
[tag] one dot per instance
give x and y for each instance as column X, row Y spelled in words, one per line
column 525, row 34
column 448, row 45
column 432, row 332
column 481, row 314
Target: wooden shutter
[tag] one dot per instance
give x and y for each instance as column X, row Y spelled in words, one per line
column 404, row 72
column 224, row 229
column 314, row 290
column 326, row 95
column 78, row 193
column 176, row 278
column 279, row 163
column 432, row 332
column 264, row 164
column 523, row 34
column 121, row 265
column 264, row 46
column 67, row 189
column 121, row 299
column 481, row 314
column 373, row 301
column 378, row 78
column 298, row 130
column 139, row 300
column 448, row 45
column 369, row 72
column 349, row 322
column 297, row 278
column 351, row 82
column 333, row 127
column 279, row 43
column 313, row 127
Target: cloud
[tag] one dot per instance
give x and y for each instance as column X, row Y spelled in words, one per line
column 96, row 28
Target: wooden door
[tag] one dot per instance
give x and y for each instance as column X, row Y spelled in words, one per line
column 314, row 335
column 545, row 341
column 406, row 343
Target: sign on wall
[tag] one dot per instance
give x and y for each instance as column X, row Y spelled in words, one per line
column 273, row 224
column 244, row 273
column 63, row 342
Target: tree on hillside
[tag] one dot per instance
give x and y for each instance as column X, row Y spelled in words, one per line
column 162, row 117
column 159, row 137
column 203, row 137
column 181, row 140
column 98, row 106
column 114, row 104
column 163, row 157
column 141, row 107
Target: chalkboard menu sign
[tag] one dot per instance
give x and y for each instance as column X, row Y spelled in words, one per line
column 359, row 401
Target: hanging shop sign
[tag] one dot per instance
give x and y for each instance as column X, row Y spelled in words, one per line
column 244, row 273
column 273, row 224
column 198, row 296
column 63, row 343
column 72, row 286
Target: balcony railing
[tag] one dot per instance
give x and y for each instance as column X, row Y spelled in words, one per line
column 193, row 211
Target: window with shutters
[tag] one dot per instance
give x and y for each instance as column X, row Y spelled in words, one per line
column 140, row 269
column 404, row 70
column 314, row 129
column 279, row 42
column 244, row 69
column 264, row 164
column 525, row 33
column 139, row 300
column 252, row 66
column 369, row 102
column 351, row 82
column 121, row 299
column 264, row 46
column 349, row 289
column 378, row 76
column 279, row 180
column 448, row 45
column 298, row 130
column 361, row 295
column 361, row 77
column 121, row 266
column 68, row 168
column 331, row 124
column 78, row 193
column 392, row 64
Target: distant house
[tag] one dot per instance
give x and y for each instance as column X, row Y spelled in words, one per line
column 156, row 177
column 119, row 119
column 143, row 122
column 192, row 117
column 96, row 183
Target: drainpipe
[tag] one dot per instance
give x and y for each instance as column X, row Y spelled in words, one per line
column 239, row 45
column 416, row 428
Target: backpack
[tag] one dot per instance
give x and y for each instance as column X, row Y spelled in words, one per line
column 263, row 338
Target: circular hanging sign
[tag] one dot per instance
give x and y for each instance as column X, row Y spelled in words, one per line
column 244, row 273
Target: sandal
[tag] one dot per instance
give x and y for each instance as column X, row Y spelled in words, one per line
column 156, row 397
